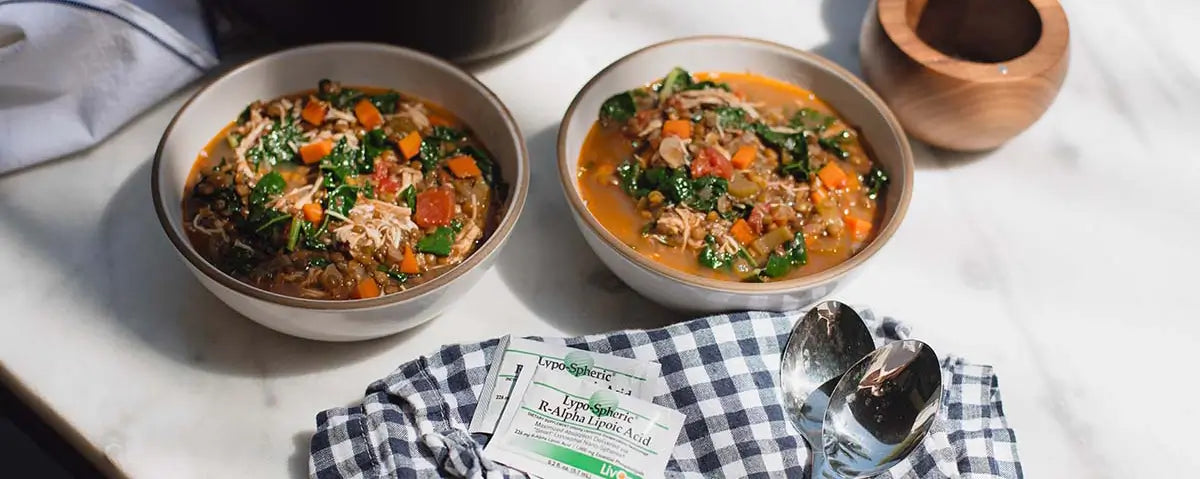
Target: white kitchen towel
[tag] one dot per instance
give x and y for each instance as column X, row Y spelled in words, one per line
column 72, row 72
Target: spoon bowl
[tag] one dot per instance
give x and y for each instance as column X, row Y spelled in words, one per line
column 880, row 410
column 824, row 343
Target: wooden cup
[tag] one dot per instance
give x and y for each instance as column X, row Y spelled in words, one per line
column 965, row 75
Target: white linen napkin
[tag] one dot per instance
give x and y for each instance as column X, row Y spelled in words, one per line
column 72, row 72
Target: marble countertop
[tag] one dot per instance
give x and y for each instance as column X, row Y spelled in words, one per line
column 1062, row 258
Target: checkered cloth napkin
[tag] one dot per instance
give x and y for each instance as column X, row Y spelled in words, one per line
column 721, row 371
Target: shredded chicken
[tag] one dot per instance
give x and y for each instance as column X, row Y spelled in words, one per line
column 409, row 176
column 465, row 241
column 205, row 214
column 415, row 113
column 374, row 224
column 340, row 115
column 690, row 99
column 651, row 127
column 243, row 166
column 295, row 199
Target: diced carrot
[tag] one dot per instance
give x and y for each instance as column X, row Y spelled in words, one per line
column 744, row 156
column 852, row 182
column 680, row 128
column 314, row 112
column 313, row 212
column 313, row 152
column 832, row 176
column 818, row 195
column 408, row 265
column 366, row 289
column 859, row 229
column 367, row 114
column 410, row 145
column 741, row 232
column 463, row 166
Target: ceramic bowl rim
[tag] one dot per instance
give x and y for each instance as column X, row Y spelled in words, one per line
column 571, row 188
column 518, row 190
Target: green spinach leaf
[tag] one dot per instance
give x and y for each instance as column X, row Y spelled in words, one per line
column 810, row 119
column 709, row 84
column 276, row 146
column 676, row 81
column 629, row 172
column 374, row 144
column 391, row 272
column 618, row 108
column 710, row 258
column 706, row 190
column 267, row 188
column 386, row 102
column 345, row 161
column 875, row 181
column 731, row 117
column 409, row 195
column 438, row 243
column 341, row 200
column 833, row 144
column 342, row 99
column 445, row 133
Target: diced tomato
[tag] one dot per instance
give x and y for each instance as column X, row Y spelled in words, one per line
column 389, row 185
column 757, row 215
column 434, row 208
column 383, row 178
column 710, row 161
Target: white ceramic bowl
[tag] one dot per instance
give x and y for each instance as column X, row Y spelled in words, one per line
column 838, row 87
column 290, row 71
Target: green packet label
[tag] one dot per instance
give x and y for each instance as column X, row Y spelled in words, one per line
column 624, row 376
column 558, row 425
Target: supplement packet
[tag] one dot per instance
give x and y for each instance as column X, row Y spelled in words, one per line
column 556, row 425
column 629, row 377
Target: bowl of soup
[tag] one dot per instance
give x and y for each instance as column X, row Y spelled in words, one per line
column 340, row 191
column 720, row 173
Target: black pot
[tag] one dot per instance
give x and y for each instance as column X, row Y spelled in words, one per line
column 460, row 30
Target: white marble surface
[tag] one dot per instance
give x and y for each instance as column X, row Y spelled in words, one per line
column 1066, row 258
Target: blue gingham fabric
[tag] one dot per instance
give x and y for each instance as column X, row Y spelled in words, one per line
column 721, row 371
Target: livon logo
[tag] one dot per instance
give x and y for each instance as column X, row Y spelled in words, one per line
column 607, row 470
column 602, row 403
column 578, row 363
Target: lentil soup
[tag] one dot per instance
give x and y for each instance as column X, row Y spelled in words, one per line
column 341, row 193
column 730, row 176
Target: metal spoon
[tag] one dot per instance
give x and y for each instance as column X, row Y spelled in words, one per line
column 880, row 410
column 823, row 344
